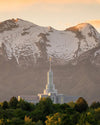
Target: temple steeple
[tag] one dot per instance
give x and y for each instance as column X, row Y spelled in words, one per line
column 50, row 87
column 50, row 64
column 50, row 92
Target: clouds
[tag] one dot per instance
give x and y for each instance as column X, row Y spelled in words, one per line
column 13, row 2
column 24, row 2
column 52, row 12
column 18, row 4
column 70, row 1
column 9, row 5
column 95, row 23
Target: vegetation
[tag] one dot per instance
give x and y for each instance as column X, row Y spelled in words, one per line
column 45, row 112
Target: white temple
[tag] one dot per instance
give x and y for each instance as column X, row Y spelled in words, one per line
column 50, row 91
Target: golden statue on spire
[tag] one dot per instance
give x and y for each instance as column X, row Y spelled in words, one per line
column 50, row 59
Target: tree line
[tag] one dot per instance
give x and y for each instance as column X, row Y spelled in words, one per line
column 16, row 112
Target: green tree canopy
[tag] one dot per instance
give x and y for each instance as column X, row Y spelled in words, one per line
column 81, row 105
column 45, row 106
column 5, row 105
column 95, row 105
column 13, row 102
column 26, row 105
column 54, row 119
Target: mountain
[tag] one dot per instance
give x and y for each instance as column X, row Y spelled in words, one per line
column 25, row 49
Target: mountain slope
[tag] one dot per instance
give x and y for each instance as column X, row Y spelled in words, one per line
column 24, row 52
column 23, row 39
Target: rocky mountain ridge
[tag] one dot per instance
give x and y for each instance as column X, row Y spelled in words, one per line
column 22, row 39
column 25, row 49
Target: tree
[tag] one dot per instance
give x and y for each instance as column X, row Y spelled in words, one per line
column 36, row 115
column 20, row 113
column 16, row 121
column 3, row 122
column 26, row 105
column 28, row 120
column 87, row 118
column 8, row 113
column 59, row 119
column 82, row 119
column 71, row 104
column 54, row 119
column 2, row 113
column 81, row 105
column 95, row 105
column 56, row 108
column 97, row 114
column 13, row 102
column 39, row 123
column 5, row 105
column 66, row 119
column 45, row 106
column 64, row 107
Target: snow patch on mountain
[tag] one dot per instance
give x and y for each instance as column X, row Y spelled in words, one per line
column 62, row 44
column 97, row 53
column 20, row 41
column 26, row 39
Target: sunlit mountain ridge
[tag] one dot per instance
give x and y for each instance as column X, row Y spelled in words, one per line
column 25, row 49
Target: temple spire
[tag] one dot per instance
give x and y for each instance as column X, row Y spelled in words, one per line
column 50, row 87
column 50, row 63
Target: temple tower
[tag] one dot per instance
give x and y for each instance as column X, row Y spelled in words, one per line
column 50, row 87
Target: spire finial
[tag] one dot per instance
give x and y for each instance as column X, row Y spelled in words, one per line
column 50, row 62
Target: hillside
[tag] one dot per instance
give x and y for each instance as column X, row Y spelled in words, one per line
column 25, row 49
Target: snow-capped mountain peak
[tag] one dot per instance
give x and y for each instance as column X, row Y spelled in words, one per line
column 26, row 47
column 82, row 26
column 23, row 40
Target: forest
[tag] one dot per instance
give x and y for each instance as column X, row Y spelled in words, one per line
column 14, row 112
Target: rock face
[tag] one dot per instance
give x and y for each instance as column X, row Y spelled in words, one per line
column 24, row 52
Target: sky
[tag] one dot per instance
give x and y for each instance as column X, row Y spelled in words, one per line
column 59, row 14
